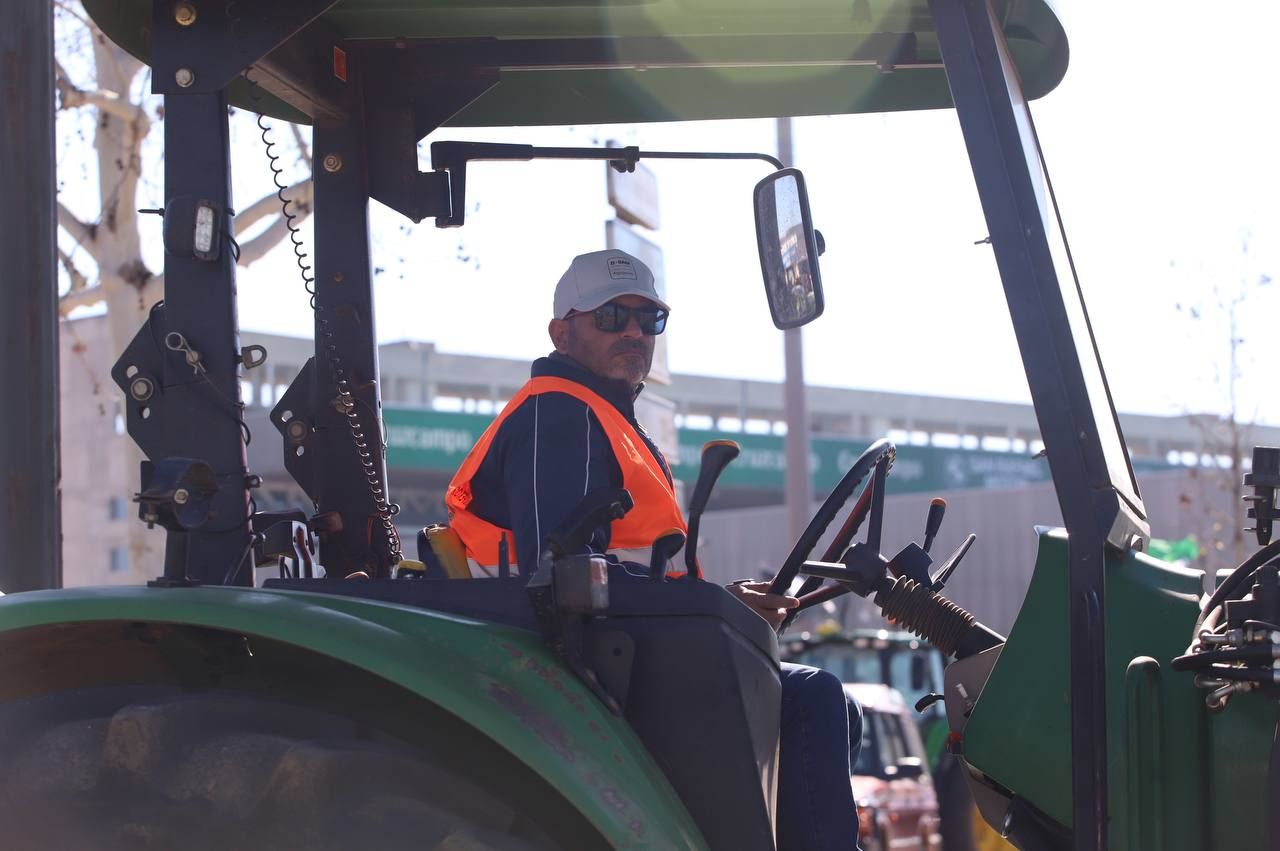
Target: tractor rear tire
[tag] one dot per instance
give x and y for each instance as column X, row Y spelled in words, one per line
column 159, row 768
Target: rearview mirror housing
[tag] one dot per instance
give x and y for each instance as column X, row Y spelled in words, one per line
column 788, row 249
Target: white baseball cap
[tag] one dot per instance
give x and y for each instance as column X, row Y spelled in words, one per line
column 601, row 276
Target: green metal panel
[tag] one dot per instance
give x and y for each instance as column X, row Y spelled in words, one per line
column 585, row 96
column 1175, row 771
column 499, row 680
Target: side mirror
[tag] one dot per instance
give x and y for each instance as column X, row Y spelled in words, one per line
column 789, row 249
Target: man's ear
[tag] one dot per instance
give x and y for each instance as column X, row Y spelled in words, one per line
column 558, row 330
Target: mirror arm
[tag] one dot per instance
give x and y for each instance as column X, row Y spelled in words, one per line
column 710, row 155
column 452, row 158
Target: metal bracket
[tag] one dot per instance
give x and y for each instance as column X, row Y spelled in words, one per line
column 402, row 107
column 204, row 47
column 144, row 371
column 394, row 178
column 253, row 356
column 295, row 420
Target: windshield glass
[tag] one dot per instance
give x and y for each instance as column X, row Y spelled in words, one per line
column 1119, row 471
column 849, row 664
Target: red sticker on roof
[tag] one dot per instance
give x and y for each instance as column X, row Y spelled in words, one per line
column 340, row 64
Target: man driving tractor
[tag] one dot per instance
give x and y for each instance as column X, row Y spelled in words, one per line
column 572, row 429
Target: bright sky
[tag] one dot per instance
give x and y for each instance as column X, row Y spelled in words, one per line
column 1161, row 143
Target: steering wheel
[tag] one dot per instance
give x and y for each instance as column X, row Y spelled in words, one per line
column 878, row 456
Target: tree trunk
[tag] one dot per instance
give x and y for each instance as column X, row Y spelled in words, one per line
column 112, row 240
column 129, row 287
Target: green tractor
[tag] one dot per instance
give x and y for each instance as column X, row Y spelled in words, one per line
column 914, row 668
column 361, row 699
column 900, row 660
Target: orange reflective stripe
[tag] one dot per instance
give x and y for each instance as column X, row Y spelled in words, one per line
column 655, row 511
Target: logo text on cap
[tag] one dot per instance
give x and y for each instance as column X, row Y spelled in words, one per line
column 620, row 267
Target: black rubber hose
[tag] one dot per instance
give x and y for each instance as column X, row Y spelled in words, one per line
column 1243, row 675
column 942, row 623
column 1229, row 585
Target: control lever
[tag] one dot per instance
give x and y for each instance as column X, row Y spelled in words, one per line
column 940, row 578
column 716, row 455
column 504, row 557
column 937, row 507
column 600, row 506
column 1265, row 479
column 567, row 588
column 664, row 549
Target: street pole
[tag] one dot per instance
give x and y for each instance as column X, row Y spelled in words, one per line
column 30, row 521
column 799, row 488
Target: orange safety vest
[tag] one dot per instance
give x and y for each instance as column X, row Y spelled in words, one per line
column 631, row 538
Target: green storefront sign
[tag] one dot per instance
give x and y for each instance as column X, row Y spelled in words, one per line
column 430, row 440
column 916, row 468
column 438, row 441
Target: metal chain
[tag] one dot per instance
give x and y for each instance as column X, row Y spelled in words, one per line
column 347, row 404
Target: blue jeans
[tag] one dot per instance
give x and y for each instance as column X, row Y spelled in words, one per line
column 816, row 811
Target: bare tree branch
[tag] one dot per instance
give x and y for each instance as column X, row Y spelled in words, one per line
column 82, row 233
column 303, row 150
column 109, row 102
column 257, row 247
column 70, row 9
column 71, row 96
column 62, row 80
column 80, row 298
column 78, row 279
column 300, row 194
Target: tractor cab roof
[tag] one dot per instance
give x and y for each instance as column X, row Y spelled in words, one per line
column 552, row 62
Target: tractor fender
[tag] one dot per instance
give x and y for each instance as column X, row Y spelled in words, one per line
column 500, row 681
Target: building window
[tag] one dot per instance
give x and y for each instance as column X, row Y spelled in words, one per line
column 115, row 508
column 119, row 560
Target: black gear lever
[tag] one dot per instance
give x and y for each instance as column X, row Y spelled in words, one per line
column 716, row 455
column 597, row 508
column 664, row 549
column 949, row 566
column 937, row 508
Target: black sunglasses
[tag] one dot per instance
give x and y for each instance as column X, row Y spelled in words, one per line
column 612, row 318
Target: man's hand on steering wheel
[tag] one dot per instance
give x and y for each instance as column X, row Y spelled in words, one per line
column 755, row 595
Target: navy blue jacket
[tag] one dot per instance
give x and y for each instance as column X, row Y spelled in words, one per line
column 547, row 454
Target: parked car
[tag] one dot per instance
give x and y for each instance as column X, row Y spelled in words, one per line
column 897, row 806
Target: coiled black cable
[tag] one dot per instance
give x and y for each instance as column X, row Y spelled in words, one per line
column 290, row 217
column 384, row 511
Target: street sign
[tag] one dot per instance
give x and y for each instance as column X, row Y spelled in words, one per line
column 634, row 196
